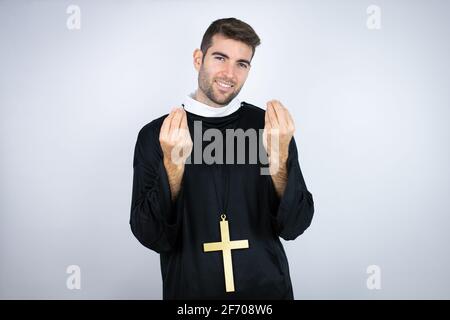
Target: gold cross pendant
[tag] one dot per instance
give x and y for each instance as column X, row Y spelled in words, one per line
column 226, row 246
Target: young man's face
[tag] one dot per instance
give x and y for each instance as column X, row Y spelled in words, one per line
column 223, row 71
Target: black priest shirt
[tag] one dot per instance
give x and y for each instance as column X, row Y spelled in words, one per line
column 178, row 229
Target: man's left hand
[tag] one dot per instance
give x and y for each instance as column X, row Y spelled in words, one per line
column 279, row 126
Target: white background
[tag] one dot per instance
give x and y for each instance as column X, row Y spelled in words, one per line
column 371, row 109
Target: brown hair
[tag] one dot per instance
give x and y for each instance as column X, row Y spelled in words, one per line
column 231, row 28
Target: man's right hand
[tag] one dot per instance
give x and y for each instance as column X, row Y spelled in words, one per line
column 176, row 144
column 174, row 137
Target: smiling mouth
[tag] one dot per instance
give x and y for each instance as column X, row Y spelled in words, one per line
column 224, row 86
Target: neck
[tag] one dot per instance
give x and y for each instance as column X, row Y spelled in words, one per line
column 201, row 97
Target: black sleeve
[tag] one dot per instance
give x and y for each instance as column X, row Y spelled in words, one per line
column 292, row 214
column 154, row 219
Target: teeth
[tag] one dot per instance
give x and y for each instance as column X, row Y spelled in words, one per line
column 224, row 84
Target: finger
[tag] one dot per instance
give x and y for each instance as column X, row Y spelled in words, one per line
column 290, row 120
column 287, row 116
column 184, row 124
column 176, row 121
column 166, row 125
column 280, row 111
column 272, row 116
column 278, row 102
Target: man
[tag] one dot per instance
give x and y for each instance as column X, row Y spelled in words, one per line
column 217, row 225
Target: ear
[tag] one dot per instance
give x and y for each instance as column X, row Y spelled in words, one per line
column 198, row 56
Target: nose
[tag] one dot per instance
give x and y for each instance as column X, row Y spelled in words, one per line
column 229, row 71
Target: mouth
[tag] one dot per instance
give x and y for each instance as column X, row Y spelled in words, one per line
column 224, row 86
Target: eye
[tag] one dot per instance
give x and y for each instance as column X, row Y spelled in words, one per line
column 243, row 65
column 219, row 58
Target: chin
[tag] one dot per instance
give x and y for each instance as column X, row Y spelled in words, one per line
column 223, row 101
column 220, row 98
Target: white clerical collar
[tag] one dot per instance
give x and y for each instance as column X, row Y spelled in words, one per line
column 196, row 107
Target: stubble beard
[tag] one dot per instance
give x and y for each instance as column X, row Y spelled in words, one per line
column 206, row 84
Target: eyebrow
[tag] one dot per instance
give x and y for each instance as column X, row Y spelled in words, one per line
column 225, row 56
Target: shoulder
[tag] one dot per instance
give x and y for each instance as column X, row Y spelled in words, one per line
column 151, row 129
column 251, row 108
column 147, row 142
column 255, row 115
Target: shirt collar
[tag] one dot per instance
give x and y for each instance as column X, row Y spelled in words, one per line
column 196, row 107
